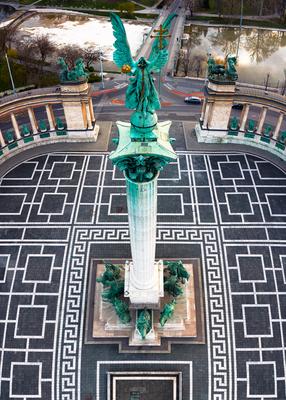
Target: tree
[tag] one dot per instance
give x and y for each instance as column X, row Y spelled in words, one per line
column 90, row 56
column 44, row 47
column 7, row 33
column 25, row 51
column 70, row 54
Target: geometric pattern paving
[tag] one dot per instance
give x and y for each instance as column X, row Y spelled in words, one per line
column 59, row 211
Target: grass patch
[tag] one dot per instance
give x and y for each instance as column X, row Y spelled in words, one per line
column 93, row 4
column 148, row 3
column 25, row 2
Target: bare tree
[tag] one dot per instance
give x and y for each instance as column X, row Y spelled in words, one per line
column 25, row 51
column 90, row 55
column 197, row 63
column 70, row 53
column 43, row 47
column 7, row 33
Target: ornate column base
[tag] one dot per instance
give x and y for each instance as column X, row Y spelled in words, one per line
column 103, row 326
column 141, row 298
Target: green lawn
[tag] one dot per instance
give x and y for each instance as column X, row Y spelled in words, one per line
column 26, row 1
column 148, row 3
column 107, row 4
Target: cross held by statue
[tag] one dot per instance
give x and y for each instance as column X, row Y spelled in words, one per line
column 160, row 36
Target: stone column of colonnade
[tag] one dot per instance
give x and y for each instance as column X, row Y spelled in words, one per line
column 15, row 126
column 244, row 117
column 142, row 216
column 278, row 126
column 261, row 120
column 51, row 118
column 2, row 141
column 32, row 120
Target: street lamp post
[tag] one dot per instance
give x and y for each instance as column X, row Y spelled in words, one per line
column 267, row 82
column 101, row 68
column 10, row 74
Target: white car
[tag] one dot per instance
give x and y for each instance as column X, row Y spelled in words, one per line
column 193, row 100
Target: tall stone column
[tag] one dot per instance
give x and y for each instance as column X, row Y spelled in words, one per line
column 142, row 217
column 141, row 159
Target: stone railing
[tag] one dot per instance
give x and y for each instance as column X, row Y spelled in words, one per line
column 219, row 125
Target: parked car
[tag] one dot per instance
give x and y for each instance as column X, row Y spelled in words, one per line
column 237, row 106
column 193, row 100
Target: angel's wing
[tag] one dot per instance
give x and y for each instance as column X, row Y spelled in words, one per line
column 155, row 47
column 159, row 60
column 122, row 54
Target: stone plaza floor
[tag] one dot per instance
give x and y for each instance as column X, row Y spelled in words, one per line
column 59, row 211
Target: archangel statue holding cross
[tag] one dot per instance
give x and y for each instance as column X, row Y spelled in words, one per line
column 141, row 94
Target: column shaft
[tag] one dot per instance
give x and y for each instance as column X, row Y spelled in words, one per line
column 15, row 126
column 32, row 120
column 50, row 116
column 2, row 141
column 203, row 110
column 91, row 109
column 142, row 215
column 278, row 126
column 206, row 115
column 88, row 116
column 244, row 117
column 262, row 119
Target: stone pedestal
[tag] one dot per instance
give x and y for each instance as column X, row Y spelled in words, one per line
column 185, row 323
column 77, row 105
column 216, row 111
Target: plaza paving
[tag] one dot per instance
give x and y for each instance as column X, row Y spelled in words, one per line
column 58, row 211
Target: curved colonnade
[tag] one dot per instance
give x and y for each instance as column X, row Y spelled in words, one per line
column 77, row 121
column 217, row 125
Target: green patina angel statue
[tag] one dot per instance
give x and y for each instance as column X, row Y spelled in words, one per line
column 141, row 94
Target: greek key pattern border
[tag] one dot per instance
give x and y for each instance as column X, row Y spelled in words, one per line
column 69, row 362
